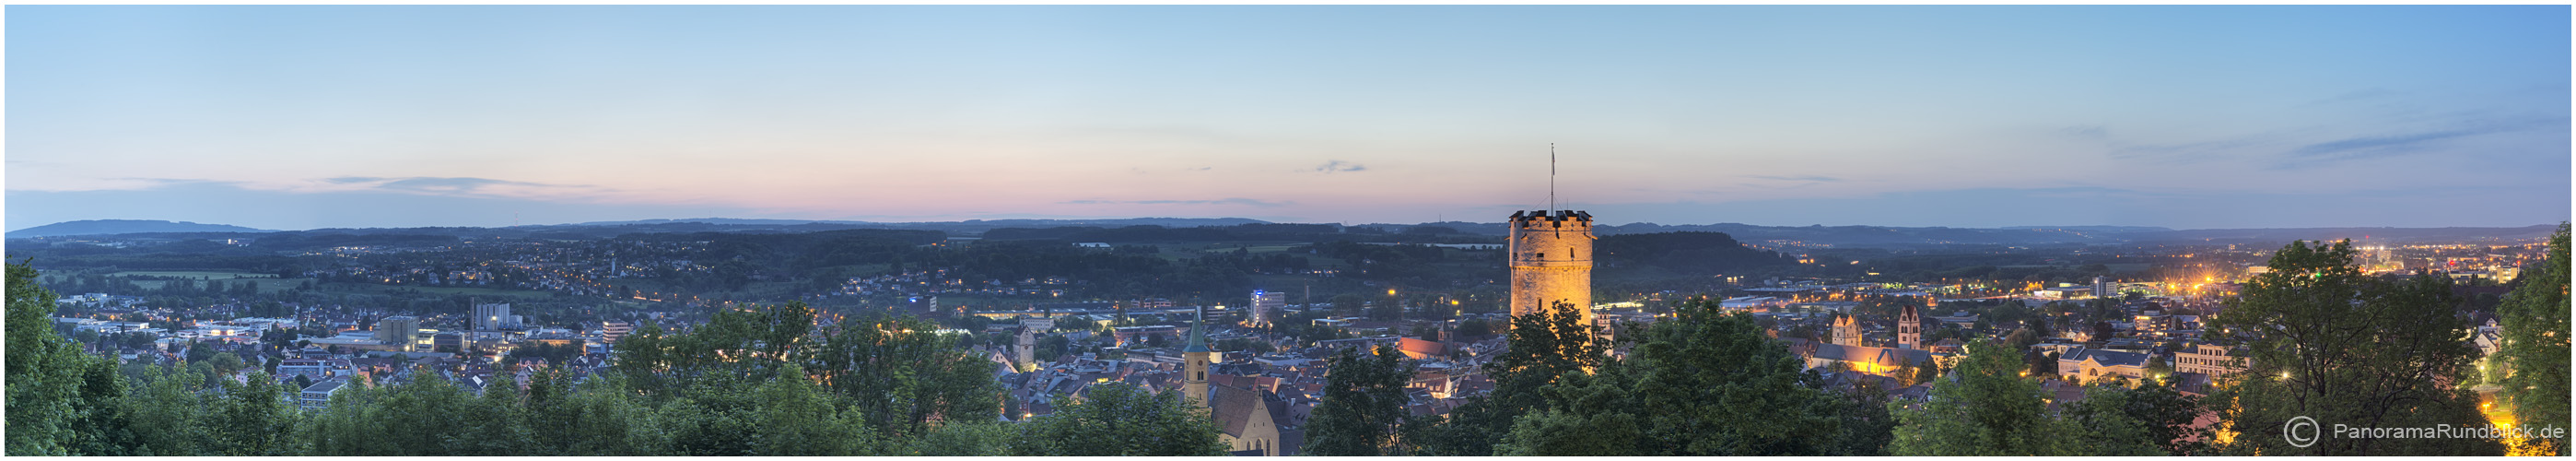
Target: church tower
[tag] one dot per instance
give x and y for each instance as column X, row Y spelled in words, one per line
column 1025, row 348
column 1551, row 261
column 1194, row 382
column 1909, row 324
column 1846, row 330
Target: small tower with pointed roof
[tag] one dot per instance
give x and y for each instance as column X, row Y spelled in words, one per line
column 1194, row 382
column 1909, row 324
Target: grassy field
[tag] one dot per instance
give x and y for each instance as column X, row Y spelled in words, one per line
column 268, row 283
column 469, row 291
column 477, row 291
column 209, row 275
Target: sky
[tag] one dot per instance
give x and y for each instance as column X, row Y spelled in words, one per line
column 297, row 117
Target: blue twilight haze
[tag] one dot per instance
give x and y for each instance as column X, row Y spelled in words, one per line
column 293, row 117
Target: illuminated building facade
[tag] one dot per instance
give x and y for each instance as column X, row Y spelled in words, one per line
column 1551, row 261
column 1909, row 325
column 1265, row 304
column 1846, row 330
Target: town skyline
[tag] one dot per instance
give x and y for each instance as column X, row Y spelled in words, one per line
column 2179, row 117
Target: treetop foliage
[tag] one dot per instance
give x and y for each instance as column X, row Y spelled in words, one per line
column 2534, row 323
column 2333, row 345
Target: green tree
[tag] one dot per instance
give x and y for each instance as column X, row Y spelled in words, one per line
column 44, row 372
column 795, row 417
column 1050, row 347
column 2534, row 357
column 2152, row 418
column 1867, row 427
column 602, row 417
column 712, row 427
column 1683, row 390
column 1541, row 347
column 2332, row 345
column 1116, row 419
column 966, row 438
column 226, row 363
column 900, row 375
column 424, row 417
column 1363, row 406
column 254, row 419
column 1561, row 429
column 2099, row 425
column 105, row 429
column 495, row 423
column 166, row 414
column 1989, row 410
column 710, row 390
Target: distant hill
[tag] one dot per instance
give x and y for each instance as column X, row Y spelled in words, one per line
column 2110, row 229
column 2357, row 234
column 122, row 226
column 967, row 227
column 1693, row 252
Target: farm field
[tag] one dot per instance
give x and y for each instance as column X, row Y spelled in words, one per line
column 209, row 275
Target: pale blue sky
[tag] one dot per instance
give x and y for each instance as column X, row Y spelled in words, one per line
column 2190, row 117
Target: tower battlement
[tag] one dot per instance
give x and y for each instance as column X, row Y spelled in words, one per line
column 1543, row 218
column 1551, row 261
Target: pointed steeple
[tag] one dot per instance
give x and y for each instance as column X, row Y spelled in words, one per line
column 1198, row 333
column 1194, row 366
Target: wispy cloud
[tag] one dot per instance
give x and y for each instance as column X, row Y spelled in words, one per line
column 2093, row 132
column 460, row 186
column 1339, row 166
column 2374, row 146
column 156, row 183
column 2184, row 152
column 2362, row 147
column 1225, row 201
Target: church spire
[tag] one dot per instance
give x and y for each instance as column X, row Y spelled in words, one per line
column 1194, row 367
column 1198, row 333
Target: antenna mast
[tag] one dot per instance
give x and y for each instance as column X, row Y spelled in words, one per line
column 1551, row 177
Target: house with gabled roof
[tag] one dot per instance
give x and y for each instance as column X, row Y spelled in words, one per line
column 2088, row 365
column 1245, row 420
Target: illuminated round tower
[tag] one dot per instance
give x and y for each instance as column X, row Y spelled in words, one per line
column 1551, row 258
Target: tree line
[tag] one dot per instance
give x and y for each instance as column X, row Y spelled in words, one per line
column 755, row 381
